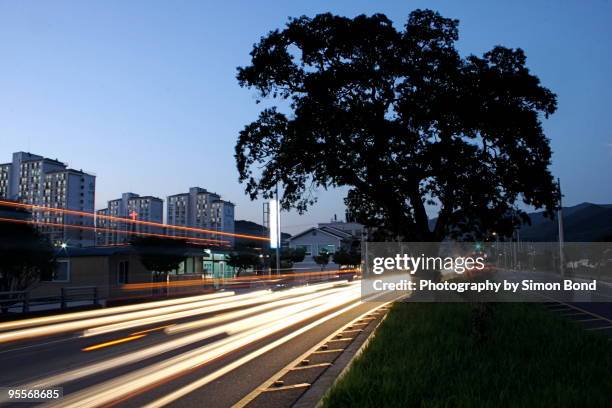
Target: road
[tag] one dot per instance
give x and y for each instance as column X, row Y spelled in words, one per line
column 209, row 350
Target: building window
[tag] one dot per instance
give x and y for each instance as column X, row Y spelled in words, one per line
column 61, row 272
column 327, row 249
column 122, row 273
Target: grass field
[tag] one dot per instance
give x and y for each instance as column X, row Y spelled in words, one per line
column 466, row 355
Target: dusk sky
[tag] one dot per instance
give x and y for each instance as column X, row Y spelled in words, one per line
column 143, row 93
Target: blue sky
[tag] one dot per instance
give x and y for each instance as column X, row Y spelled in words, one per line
column 143, row 93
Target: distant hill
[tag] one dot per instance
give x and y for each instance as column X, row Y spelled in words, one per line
column 582, row 223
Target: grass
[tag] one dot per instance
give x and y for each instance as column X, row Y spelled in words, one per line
column 466, row 355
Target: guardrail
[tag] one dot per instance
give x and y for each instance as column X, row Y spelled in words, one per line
column 21, row 298
column 8, row 299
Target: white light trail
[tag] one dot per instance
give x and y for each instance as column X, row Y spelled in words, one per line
column 211, row 307
column 189, row 388
column 154, row 350
column 241, row 334
column 98, row 321
column 109, row 311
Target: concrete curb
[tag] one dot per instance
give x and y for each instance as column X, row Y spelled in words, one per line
column 316, row 392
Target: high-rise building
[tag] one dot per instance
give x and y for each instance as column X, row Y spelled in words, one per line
column 4, row 179
column 34, row 179
column 200, row 208
column 129, row 206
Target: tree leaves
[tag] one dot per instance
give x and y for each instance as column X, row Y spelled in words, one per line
column 401, row 119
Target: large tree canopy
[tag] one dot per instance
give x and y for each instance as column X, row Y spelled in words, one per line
column 402, row 120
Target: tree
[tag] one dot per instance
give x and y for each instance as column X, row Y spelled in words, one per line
column 243, row 261
column 25, row 256
column 322, row 259
column 288, row 256
column 344, row 258
column 295, row 255
column 160, row 255
column 403, row 121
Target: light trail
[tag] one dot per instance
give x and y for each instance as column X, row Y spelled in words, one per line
column 128, row 384
column 189, row 388
column 34, row 207
column 193, row 310
column 234, row 329
column 152, row 330
column 95, row 229
column 113, row 342
column 198, row 324
column 108, row 311
column 218, row 306
column 99, row 321
column 239, row 322
column 198, row 282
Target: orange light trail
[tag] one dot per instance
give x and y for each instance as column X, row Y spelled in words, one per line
column 34, row 207
column 113, row 342
column 196, row 282
column 209, row 241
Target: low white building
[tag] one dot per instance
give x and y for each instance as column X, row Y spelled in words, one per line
column 329, row 238
column 317, row 240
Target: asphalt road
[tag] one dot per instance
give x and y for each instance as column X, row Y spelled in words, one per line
column 194, row 352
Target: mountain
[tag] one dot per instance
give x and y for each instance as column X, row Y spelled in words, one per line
column 582, row 223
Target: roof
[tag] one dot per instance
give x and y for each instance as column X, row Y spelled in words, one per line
column 120, row 250
column 148, row 197
column 224, row 201
column 178, row 195
column 95, row 251
column 336, row 231
column 74, row 171
column 330, row 233
column 46, row 159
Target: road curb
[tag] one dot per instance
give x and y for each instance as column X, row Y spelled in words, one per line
column 314, row 395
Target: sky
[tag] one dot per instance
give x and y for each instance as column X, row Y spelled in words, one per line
column 143, row 93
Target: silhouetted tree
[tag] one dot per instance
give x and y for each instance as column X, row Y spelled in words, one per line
column 403, row 121
column 160, row 255
column 288, row 256
column 322, row 259
column 294, row 254
column 25, row 256
column 344, row 258
column 242, row 261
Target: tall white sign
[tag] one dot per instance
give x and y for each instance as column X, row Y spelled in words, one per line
column 274, row 225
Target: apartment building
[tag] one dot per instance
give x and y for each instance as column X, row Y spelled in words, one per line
column 4, row 180
column 131, row 206
column 203, row 209
column 34, row 179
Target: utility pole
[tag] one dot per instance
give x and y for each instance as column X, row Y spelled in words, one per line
column 561, row 236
